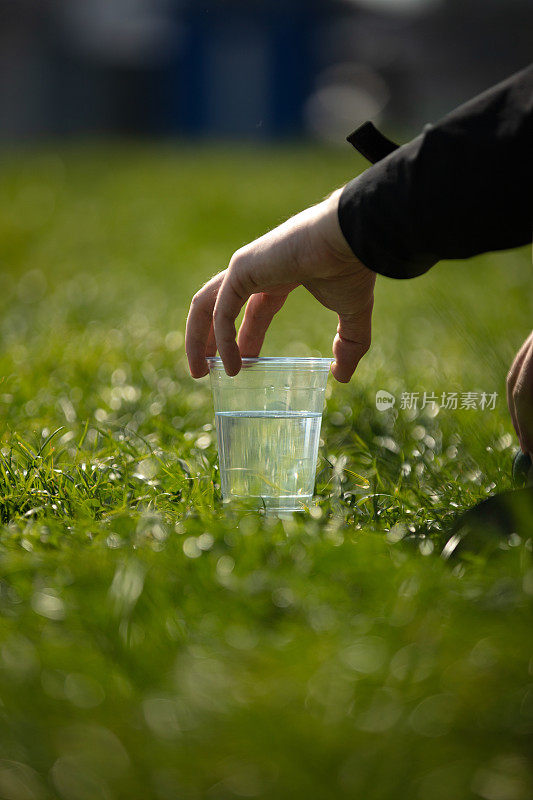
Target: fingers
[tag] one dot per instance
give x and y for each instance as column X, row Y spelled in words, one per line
column 199, row 335
column 211, row 349
column 212, row 315
column 524, row 420
column 516, row 367
column 521, row 402
column 230, row 300
column 512, row 411
column 350, row 344
column 259, row 313
column 516, row 382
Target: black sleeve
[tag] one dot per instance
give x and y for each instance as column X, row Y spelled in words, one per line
column 463, row 186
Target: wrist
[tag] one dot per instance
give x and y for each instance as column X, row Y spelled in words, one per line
column 331, row 227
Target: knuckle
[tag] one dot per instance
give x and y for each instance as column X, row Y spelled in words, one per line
column 237, row 260
column 240, row 276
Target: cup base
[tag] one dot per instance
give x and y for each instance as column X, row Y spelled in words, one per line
column 285, row 505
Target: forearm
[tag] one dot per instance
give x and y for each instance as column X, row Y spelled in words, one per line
column 460, row 188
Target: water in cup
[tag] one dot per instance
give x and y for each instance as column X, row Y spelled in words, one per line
column 268, row 420
column 268, row 455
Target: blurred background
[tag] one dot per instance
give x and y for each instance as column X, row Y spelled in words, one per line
column 152, row 645
column 248, row 69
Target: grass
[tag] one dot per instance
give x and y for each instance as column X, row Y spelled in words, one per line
column 156, row 645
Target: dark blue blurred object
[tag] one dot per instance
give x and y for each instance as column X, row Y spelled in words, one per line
column 243, row 70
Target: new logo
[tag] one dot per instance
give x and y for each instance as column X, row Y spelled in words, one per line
column 384, row 400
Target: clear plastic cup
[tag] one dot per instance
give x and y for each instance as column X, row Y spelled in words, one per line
column 268, row 420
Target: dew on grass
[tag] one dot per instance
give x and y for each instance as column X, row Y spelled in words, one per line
column 19, row 656
column 225, row 566
column 162, row 716
column 205, row 541
column 365, row 655
column 18, row 781
column 48, row 604
column 191, row 547
column 383, row 712
column 83, row 691
column 127, row 586
column 433, row 716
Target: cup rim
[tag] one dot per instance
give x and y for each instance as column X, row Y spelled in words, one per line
column 296, row 362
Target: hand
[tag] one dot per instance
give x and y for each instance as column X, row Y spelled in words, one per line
column 520, row 395
column 309, row 250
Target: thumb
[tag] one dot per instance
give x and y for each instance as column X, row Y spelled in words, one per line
column 350, row 344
